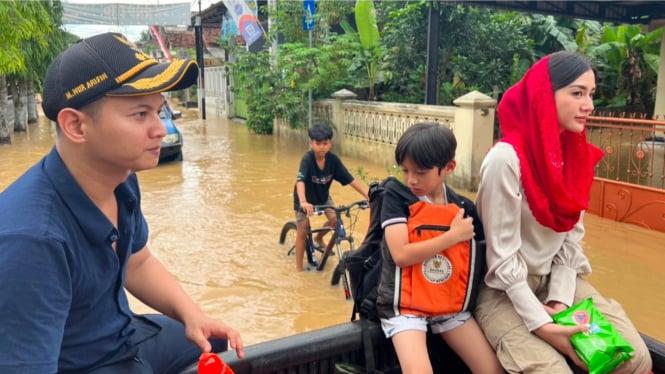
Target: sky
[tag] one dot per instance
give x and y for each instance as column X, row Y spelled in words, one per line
column 132, row 33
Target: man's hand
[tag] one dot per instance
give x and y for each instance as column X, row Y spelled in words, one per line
column 559, row 337
column 202, row 328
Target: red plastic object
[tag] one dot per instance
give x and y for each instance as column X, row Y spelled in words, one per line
column 210, row 363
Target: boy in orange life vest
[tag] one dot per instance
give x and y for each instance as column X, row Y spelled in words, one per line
column 416, row 274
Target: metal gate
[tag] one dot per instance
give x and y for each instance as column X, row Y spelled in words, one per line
column 630, row 179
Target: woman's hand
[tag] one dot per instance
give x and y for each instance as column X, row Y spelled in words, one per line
column 554, row 307
column 558, row 336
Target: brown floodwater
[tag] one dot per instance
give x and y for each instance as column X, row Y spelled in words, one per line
column 215, row 220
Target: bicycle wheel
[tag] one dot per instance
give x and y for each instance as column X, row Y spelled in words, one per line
column 288, row 236
column 344, row 247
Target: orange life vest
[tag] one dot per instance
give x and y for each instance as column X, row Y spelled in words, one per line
column 442, row 284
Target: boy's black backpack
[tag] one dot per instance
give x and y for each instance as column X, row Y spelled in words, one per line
column 364, row 267
column 364, row 263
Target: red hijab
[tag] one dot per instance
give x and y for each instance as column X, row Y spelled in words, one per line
column 556, row 167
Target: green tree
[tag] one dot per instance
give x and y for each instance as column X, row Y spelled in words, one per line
column 627, row 59
column 278, row 87
column 370, row 42
column 478, row 49
column 323, row 69
column 254, row 79
column 489, row 54
column 35, row 51
column 31, row 37
column 57, row 40
column 15, row 28
column 404, row 43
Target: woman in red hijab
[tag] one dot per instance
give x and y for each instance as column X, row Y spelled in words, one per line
column 533, row 192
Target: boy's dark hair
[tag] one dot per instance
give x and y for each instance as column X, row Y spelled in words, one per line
column 427, row 144
column 564, row 67
column 320, row 131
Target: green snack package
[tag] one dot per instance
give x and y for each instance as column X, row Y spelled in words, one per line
column 601, row 347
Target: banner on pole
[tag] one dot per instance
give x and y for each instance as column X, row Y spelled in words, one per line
column 308, row 18
column 245, row 19
column 115, row 13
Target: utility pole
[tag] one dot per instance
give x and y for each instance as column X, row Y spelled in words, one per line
column 433, row 17
column 308, row 25
column 198, row 33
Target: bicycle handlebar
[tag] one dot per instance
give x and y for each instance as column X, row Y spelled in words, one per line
column 362, row 204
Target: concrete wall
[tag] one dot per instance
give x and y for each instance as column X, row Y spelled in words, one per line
column 370, row 130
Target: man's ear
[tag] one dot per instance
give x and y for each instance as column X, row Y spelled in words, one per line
column 72, row 124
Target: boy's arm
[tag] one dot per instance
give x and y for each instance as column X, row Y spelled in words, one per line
column 302, row 198
column 406, row 254
column 358, row 186
column 300, row 190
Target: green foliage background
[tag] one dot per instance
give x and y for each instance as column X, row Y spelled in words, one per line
column 479, row 49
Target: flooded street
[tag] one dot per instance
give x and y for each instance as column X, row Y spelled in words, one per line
column 215, row 220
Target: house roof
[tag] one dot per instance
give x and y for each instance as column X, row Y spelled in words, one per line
column 187, row 38
column 179, row 40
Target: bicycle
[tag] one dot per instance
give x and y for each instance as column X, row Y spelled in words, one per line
column 317, row 256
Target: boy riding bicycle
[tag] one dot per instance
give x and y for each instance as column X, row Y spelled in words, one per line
column 318, row 168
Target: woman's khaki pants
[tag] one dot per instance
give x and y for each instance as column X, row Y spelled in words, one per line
column 520, row 351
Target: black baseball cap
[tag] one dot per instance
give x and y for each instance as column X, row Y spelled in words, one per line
column 109, row 65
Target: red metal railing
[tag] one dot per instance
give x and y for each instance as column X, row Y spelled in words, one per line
column 634, row 149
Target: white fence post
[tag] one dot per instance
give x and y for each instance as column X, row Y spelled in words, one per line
column 474, row 130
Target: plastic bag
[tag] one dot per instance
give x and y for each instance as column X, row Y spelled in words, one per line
column 601, row 347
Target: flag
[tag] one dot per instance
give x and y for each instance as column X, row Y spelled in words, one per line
column 245, row 20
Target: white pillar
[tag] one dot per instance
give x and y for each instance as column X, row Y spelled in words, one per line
column 474, row 130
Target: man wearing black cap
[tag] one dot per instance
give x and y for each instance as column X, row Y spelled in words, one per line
column 73, row 237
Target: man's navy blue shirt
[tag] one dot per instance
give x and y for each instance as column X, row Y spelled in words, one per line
column 62, row 301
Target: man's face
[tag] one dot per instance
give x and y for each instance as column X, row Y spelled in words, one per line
column 125, row 133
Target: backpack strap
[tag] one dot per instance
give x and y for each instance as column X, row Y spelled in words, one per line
column 367, row 307
column 368, row 346
column 395, row 186
column 373, row 188
column 354, row 311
